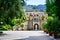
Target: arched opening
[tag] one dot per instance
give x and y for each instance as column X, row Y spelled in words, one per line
column 36, row 26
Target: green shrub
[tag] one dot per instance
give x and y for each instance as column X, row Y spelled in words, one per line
column 56, row 26
column 7, row 27
column 50, row 18
column 44, row 25
column 47, row 24
column 16, row 21
column 22, row 25
column 52, row 25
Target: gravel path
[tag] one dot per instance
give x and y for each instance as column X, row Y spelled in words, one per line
column 25, row 35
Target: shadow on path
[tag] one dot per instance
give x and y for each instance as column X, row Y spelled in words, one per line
column 38, row 38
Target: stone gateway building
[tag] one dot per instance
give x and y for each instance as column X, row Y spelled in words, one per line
column 34, row 19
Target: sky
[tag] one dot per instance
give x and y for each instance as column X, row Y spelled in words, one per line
column 35, row 2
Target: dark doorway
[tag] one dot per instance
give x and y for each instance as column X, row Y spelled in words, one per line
column 36, row 27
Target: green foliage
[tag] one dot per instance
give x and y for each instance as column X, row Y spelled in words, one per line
column 9, row 9
column 55, row 26
column 50, row 7
column 49, row 23
column 53, row 10
column 22, row 25
column 53, row 7
column 50, row 18
column 52, row 25
column 57, row 3
column 44, row 25
column 16, row 21
column 7, row 27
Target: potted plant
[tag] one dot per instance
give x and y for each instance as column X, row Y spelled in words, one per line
column 54, row 27
column 22, row 25
column 57, row 29
column 45, row 27
column 48, row 26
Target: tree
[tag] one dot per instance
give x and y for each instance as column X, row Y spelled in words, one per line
column 53, row 7
column 50, row 7
column 10, row 9
column 57, row 3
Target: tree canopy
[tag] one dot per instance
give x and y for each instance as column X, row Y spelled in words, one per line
column 50, row 7
column 57, row 3
column 10, row 9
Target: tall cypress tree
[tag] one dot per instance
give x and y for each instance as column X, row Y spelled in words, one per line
column 50, row 7
column 57, row 3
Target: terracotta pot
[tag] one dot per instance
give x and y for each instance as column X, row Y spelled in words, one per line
column 56, row 36
column 46, row 31
column 22, row 29
column 50, row 33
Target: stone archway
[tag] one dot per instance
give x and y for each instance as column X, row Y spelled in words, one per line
column 36, row 26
